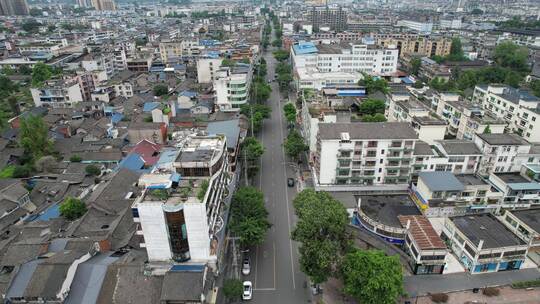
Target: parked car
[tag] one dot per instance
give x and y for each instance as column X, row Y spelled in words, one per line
column 248, row 291
column 290, row 182
column 246, row 267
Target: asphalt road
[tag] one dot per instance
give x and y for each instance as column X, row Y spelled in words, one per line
column 275, row 272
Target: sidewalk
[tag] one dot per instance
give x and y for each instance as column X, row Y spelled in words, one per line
column 420, row 285
column 507, row 296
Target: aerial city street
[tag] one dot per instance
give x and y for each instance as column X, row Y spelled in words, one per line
column 269, row 151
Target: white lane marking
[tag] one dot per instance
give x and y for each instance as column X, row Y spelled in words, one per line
column 286, row 197
column 274, row 245
column 264, row 289
column 256, row 264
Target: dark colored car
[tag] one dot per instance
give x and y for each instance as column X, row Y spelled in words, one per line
column 290, row 182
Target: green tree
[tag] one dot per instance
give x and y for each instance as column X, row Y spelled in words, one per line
column 253, row 148
column 7, row 70
column 289, row 110
column 249, row 219
column 228, row 63
column 92, row 170
column 416, row 64
column 25, row 70
column 477, row 11
column 487, row 130
column 31, row 26
column 260, row 91
column 510, row 55
column 456, row 51
column 373, row 84
column 294, row 144
column 34, row 137
column 535, row 87
column 321, row 230
column 281, row 55
column 202, row 190
column 437, row 58
column 284, row 81
column 160, row 90
column 374, row 118
column 372, row 106
column 233, row 289
column 34, row 12
column 40, row 73
column 277, row 43
column 75, row 158
column 418, row 84
column 72, row 208
column 371, row 277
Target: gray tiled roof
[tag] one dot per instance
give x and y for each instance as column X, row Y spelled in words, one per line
column 503, row 139
column 441, row 181
column 367, row 130
column 459, row 147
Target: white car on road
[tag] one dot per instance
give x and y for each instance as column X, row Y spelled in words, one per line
column 246, row 267
column 248, row 291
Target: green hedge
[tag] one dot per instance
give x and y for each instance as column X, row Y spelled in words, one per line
column 526, row 284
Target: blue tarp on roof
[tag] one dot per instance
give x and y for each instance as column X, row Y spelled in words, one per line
column 149, row 106
column 116, row 117
column 189, row 268
column 50, row 213
column 359, row 92
column 189, row 94
column 407, row 80
column 133, row 162
column 175, row 177
column 305, row 48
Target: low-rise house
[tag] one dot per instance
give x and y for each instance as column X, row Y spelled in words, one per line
column 483, row 244
column 442, row 193
column 424, row 245
column 518, row 191
column 526, row 225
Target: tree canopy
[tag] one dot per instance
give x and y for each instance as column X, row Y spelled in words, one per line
column 34, row 137
column 510, row 55
column 294, row 144
column 372, row 106
column 321, row 230
column 372, row 277
column 373, row 84
column 233, row 289
column 374, row 118
column 160, row 90
column 40, row 73
column 281, row 55
column 289, row 110
column 249, row 219
column 72, row 208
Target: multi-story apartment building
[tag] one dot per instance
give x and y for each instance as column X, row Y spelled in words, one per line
column 502, row 152
column 207, row 69
column 170, row 50
column 333, row 17
column 46, row 48
column 424, row 46
column 139, row 63
column 465, row 119
column 174, row 223
column 231, row 86
column 364, row 153
column 99, row 62
column 518, row 108
column 483, row 244
column 13, row 7
column 58, row 93
column 345, row 57
column 104, row 5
